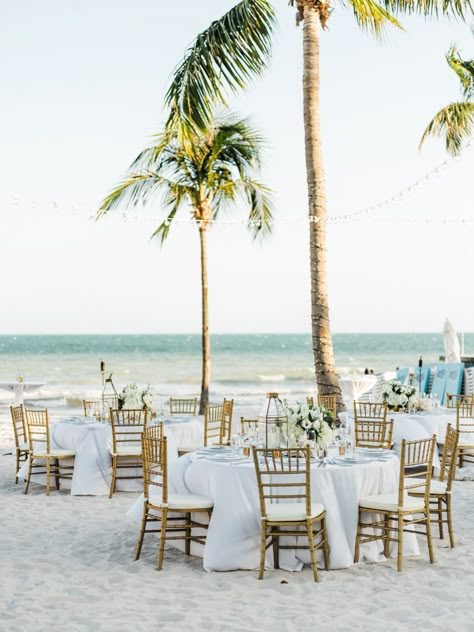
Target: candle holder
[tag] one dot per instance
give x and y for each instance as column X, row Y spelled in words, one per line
column 275, row 421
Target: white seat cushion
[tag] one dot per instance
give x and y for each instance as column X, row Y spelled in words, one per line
column 437, row 487
column 55, row 453
column 389, row 502
column 292, row 511
column 466, row 443
column 127, row 450
column 185, row 501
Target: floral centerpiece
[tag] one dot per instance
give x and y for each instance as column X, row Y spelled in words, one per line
column 398, row 395
column 132, row 397
column 311, row 420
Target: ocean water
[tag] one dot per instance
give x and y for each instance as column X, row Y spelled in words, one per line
column 243, row 366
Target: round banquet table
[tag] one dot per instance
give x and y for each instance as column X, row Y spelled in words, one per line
column 91, row 442
column 422, row 425
column 20, row 388
column 354, row 386
column 233, row 537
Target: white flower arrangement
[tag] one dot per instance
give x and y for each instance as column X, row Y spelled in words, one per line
column 314, row 421
column 132, row 397
column 398, row 395
column 424, row 404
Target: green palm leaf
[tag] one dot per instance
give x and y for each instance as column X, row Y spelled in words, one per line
column 228, row 54
column 454, row 122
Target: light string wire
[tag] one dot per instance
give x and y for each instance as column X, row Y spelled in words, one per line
column 353, row 216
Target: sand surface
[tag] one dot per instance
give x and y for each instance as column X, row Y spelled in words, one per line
column 66, row 563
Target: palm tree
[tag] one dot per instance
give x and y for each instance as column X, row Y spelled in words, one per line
column 210, row 172
column 456, row 121
column 234, row 49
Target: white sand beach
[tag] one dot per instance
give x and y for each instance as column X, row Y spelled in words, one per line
column 67, row 563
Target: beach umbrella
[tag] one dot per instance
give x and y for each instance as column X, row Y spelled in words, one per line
column 451, row 343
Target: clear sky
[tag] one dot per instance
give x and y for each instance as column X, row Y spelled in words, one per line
column 83, row 84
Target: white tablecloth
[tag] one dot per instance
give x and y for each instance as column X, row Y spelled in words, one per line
column 233, row 538
column 419, row 426
column 187, row 430
column 93, row 465
column 354, row 386
column 20, row 388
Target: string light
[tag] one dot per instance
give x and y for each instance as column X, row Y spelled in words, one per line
column 354, row 216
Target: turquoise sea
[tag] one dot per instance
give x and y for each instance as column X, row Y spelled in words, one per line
column 244, row 366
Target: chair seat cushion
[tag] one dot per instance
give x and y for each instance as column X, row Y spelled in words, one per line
column 466, row 443
column 292, row 511
column 54, row 453
column 437, row 487
column 178, row 502
column 389, row 502
column 127, row 450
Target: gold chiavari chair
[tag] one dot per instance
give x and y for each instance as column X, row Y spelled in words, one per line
column 22, row 447
column 285, row 475
column 92, row 408
column 372, row 433
column 157, row 502
column 310, row 400
column 126, row 452
column 41, row 455
column 183, row 406
column 402, row 509
column 465, row 427
column 214, row 428
column 329, row 402
column 370, row 410
column 453, row 399
column 228, row 406
column 249, row 426
column 440, row 491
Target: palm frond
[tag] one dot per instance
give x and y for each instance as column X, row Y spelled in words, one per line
column 227, row 55
column 455, row 123
column 372, row 16
column 261, row 207
column 464, row 69
column 430, row 8
column 136, row 189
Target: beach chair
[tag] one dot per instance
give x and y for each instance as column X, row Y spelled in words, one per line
column 286, row 507
column 440, row 490
column 43, row 459
column 400, row 508
column 465, row 426
column 158, row 503
column 22, row 447
column 126, row 451
column 180, row 406
column 372, row 433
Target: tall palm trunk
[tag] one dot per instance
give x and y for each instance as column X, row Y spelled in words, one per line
column 206, row 342
column 326, row 376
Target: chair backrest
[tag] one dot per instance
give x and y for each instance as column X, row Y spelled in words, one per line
column 329, row 402
column 283, row 475
column 155, row 431
column 452, row 399
column 310, row 400
column 249, row 426
column 93, row 408
column 180, row 406
column 370, row 410
column 372, row 433
column 465, row 416
column 228, row 406
column 155, row 466
column 37, row 422
column 214, row 425
column 128, row 424
column 19, row 425
column 416, row 460
column 449, row 457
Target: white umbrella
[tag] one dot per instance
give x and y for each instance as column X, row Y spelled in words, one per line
column 451, row 343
